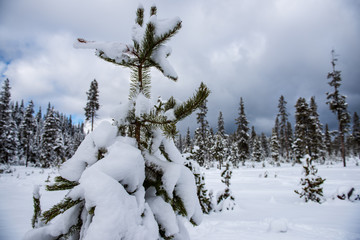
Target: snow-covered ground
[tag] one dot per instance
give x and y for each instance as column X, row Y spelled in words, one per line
column 266, row 208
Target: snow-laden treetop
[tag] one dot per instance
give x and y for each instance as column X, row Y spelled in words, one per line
column 148, row 48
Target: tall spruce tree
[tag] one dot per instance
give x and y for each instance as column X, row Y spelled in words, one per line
column 27, row 134
column 5, row 118
column 51, row 153
column 92, row 104
column 188, row 142
column 265, row 145
column 252, row 139
column 302, row 123
column 202, row 137
column 143, row 190
column 337, row 104
column 315, row 132
column 242, row 133
column 257, row 153
column 283, row 128
column 219, row 147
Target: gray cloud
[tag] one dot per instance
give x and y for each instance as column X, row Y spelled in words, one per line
column 257, row 50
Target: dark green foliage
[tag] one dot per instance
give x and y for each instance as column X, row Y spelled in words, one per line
column 311, row 183
column 101, row 153
column 59, row 208
column 61, row 184
column 35, row 221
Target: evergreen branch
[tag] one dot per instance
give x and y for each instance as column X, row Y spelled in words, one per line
column 130, row 63
column 61, row 184
column 193, row 103
column 166, row 36
column 59, row 208
column 74, row 229
column 158, row 67
column 150, row 44
column 140, row 16
column 37, row 212
column 169, row 104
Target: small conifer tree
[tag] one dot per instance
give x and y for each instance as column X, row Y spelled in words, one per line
column 142, row 189
column 225, row 199
column 274, row 146
column 311, row 183
column 92, row 104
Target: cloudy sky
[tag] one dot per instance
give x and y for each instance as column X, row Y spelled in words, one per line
column 255, row 49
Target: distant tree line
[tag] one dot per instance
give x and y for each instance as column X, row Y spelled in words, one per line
column 286, row 143
column 29, row 137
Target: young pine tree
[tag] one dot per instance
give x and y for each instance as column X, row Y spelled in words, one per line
column 311, row 183
column 225, row 199
column 202, row 137
column 27, row 134
column 219, row 146
column 92, row 104
column 274, row 147
column 315, row 132
column 337, row 104
column 242, row 134
column 302, row 123
column 128, row 180
column 257, row 153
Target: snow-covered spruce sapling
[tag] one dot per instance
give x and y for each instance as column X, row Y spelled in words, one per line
column 225, row 199
column 204, row 198
column 311, row 183
column 128, row 180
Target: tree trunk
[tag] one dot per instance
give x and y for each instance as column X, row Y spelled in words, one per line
column 92, row 122
column 341, row 132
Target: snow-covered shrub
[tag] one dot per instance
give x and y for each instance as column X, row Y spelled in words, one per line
column 278, row 225
column 347, row 193
column 127, row 180
column 311, row 183
column 225, row 199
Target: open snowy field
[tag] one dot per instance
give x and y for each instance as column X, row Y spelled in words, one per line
column 266, row 208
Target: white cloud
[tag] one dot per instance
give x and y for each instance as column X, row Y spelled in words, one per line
column 60, row 74
column 253, row 49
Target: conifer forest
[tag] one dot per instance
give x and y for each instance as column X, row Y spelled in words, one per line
column 130, row 171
